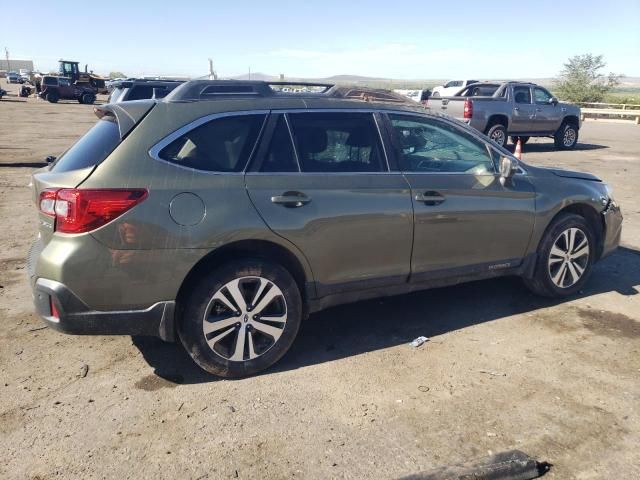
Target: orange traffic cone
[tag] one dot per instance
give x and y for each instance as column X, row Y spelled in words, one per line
column 518, row 152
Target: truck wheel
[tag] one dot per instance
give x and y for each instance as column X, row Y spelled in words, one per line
column 87, row 98
column 498, row 133
column 566, row 137
column 241, row 318
column 564, row 258
column 435, row 94
column 53, row 97
column 522, row 139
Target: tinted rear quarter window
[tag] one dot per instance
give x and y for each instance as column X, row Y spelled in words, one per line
column 140, row 92
column 92, row 148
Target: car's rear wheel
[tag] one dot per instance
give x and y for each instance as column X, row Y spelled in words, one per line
column 498, row 133
column 566, row 137
column 242, row 318
column 564, row 258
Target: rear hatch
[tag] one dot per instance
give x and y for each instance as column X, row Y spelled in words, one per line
column 78, row 162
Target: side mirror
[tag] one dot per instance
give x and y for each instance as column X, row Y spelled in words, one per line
column 507, row 167
column 553, row 101
column 50, row 159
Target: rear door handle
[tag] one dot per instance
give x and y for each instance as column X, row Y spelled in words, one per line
column 291, row 199
column 430, row 198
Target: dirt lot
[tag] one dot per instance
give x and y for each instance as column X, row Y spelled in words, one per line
column 503, row 369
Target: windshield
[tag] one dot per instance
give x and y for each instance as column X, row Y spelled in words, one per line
column 92, row 148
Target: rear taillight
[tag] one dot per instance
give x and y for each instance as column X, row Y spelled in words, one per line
column 54, row 309
column 468, row 108
column 48, row 202
column 83, row 210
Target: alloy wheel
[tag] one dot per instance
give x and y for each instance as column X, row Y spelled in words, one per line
column 569, row 257
column 499, row 137
column 569, row 137
column 245, row 318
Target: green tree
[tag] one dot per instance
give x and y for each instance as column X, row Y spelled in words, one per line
column 116, row 75
column 581, row 79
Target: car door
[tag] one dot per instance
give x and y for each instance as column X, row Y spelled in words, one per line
column 466, row 219
column 321, row 180
column 524, row 113
column 548, row 114
column 65, row 88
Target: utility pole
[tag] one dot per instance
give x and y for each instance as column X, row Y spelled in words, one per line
column 249, row 73
column 212, row 74
column 6, row 53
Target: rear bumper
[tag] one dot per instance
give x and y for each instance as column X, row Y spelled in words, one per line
column 75, row 317
column 613, row 228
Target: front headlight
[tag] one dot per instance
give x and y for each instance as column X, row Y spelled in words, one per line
column 609, row 198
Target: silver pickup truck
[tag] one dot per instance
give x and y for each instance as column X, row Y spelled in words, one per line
column 521, row 110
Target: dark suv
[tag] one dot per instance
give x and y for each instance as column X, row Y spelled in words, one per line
column 226, row 213
column 141, row 89
column 61, row 88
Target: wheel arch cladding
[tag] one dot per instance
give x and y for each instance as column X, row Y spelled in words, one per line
column 259, row 249
column 498, row 119
column 573, row 120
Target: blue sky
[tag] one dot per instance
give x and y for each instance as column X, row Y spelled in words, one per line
column 401, row 39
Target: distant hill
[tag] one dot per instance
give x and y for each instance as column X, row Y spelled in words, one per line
column 378, row 82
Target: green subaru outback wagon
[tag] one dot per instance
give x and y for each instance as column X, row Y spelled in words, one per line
column 227, row 212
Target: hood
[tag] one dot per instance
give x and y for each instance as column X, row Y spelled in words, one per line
column 572, row 174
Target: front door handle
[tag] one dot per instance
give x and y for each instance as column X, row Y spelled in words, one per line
column 430, row 198
column 291, row 199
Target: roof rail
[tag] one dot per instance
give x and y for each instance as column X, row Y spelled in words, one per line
column 195, row 90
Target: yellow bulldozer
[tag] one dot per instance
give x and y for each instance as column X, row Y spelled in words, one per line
column 69, row 68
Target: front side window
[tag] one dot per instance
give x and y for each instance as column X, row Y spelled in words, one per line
column 337, row 142
column 522, row 94
column 221, row 145
column 432, row 146
column 540, row 95
column 51, row 81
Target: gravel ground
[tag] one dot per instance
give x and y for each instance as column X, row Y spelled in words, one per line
column 503, row 369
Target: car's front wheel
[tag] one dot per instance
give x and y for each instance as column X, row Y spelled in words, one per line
column 53, row 97
column 242, row 318
column 564, row 258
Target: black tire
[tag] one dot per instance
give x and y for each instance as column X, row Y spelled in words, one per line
column 435, row 94
column 201, row 301
column 53, row 97
column 497, row 133
column 524, row 140
column 541, row 283
column 87, row 98
column 566, row 138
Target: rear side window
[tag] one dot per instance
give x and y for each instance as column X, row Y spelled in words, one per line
column 92, row 148
column 221, row 145
column 522, row 94
column 50, row 81
column 337, row 142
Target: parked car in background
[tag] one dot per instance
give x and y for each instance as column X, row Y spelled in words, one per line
column 232, row 211
column 451, row 88
column 61, row 88
column 13, row 77
column 141, row 89
column 516, row 109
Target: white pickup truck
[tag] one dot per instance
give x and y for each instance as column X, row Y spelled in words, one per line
column 451, row 88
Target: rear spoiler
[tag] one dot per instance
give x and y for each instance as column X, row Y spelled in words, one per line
column 126, row 114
